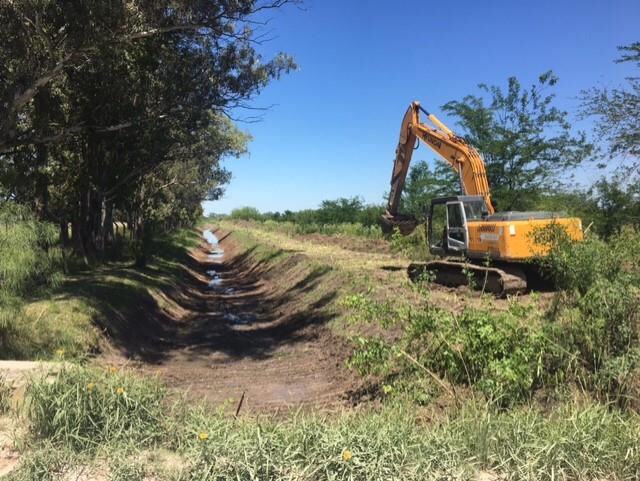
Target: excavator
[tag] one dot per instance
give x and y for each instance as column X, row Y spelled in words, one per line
column 472, row 242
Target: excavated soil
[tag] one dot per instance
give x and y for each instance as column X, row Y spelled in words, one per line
column 238, row 328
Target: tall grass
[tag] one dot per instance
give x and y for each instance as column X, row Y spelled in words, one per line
column 30, row 261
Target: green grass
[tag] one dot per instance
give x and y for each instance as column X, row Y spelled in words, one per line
column 71, row 426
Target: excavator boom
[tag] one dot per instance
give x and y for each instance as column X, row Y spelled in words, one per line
column 462, row 157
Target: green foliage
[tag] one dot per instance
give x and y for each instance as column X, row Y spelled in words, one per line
column 30, row 262
column 363, row 309
column 494, row 352
column 29, row 253
column 116, row 110
column 576, row 266
column 586, row 441
column 45, row 463
column 522, row 136
column 424, row 184
column 599, row 326
column 414, row 246
column 87, row 408
column 370, row 355
column 349, row 217
column 246, row 213
column 589, row 337
column 126, row 471
column 341, row 211
column 618, row 110
column 579, row 441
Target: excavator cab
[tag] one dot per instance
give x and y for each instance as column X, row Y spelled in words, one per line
column 447, row 223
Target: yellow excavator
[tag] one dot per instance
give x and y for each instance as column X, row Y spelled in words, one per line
column 464, row 231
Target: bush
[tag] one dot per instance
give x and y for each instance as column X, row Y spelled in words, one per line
column 576, row 266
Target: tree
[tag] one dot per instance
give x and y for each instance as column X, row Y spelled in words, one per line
column 120, row 108
column 340, row 210
column 618, row 110
column 525, row 140
column 424, row 184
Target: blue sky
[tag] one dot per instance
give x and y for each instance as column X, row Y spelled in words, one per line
column 334, row 123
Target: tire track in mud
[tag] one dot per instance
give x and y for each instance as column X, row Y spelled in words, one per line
column 248, row 331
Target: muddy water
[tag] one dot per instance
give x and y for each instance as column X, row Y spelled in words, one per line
column 216, row 282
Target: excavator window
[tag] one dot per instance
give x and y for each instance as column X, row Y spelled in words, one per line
column 455, row 215
column 456, row 228
column 475, row 209
column 438, row 226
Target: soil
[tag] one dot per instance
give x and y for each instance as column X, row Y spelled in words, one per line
column 253, row 339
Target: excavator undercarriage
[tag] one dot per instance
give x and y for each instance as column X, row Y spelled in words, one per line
column 500, row 281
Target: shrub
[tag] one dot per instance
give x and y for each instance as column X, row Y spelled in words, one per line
column 598, row 324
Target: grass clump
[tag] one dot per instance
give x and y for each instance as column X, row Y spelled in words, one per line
column 46, row 462
column 85, row 408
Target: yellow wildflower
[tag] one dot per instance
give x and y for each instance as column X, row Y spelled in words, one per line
column 113, row 369
column 60, row 353
column 91, row 386
column 347, row 455
column 203, row 436
column 120, row 391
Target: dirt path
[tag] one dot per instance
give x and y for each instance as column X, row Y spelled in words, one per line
column 240, row 333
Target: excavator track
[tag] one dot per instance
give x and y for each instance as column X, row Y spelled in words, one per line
column 499, row 281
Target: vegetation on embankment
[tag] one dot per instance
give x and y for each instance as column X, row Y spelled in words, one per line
column 117, row 426
column 46, row 313
column 586, row 339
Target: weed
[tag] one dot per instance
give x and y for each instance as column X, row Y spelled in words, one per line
column 585, row 441
column 46, row 463
column 86, row 408
column 370, row 355
column 364, row 310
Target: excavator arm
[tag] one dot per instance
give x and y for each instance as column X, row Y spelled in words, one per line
column 462, row 157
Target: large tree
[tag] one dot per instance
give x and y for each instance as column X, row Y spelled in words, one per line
column 526, row 141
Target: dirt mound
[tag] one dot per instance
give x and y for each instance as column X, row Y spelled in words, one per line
column 248, row 324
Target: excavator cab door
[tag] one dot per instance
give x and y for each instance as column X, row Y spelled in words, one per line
column 448, row 234
column 457, row 234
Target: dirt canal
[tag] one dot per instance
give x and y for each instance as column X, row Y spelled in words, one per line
column 242, row 329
